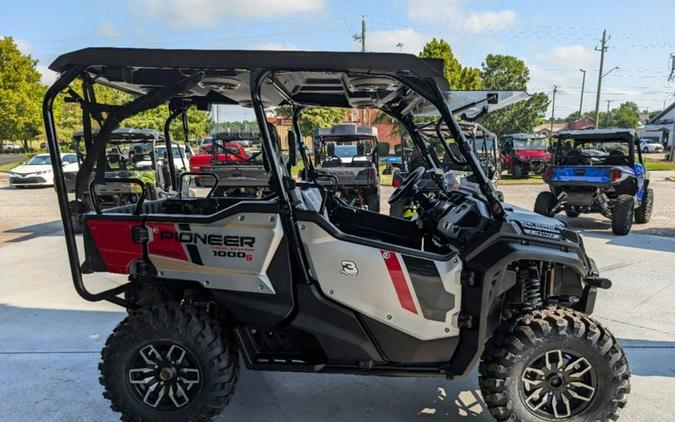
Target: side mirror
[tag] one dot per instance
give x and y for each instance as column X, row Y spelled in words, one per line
column 292, row 149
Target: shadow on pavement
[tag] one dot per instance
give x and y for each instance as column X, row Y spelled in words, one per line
column 49, row 228
column 650, row 358
column 634, row 240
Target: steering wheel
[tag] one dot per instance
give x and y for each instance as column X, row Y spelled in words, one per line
column 406, row 186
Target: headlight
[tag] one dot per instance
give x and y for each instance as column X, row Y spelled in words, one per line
column 43, row 172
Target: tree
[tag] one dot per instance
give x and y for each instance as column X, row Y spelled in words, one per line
column 627, row 115
column 68, row 116
column 507, row 73
column 315, row 117
column 459, row 77
column 20, row 95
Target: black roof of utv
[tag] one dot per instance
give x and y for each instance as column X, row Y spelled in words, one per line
column 599, row 135
column 315, row 78
column 125, row 133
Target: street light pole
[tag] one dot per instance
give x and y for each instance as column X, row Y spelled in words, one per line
column 583, row 85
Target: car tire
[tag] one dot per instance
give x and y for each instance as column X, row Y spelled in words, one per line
column 644, row 212
column 560, row 352
column 169, row 362
column 622, row 215
column 517, row 171
column 544, row 204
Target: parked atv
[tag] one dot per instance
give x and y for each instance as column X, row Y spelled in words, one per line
column 302, row 281
column 349, row 153
column 236, row 158
column 617, row 187
column 129, row 154
column 524, row 153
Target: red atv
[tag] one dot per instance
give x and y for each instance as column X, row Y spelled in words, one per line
column 523, row 153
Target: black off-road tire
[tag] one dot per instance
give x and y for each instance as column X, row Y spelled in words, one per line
column 373, row 202
column 572, row 213
column 622, row 215
column 521, row 341
column 544, row 203
column 518, row 172
column 207, row 342
column 644, row 212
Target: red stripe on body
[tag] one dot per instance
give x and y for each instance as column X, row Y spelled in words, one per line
column 170, row 247
column 399, row 281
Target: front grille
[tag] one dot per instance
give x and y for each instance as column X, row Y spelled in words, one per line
column 26, row 180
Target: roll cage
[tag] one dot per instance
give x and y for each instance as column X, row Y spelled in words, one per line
column 398, row 84
column 627, row 136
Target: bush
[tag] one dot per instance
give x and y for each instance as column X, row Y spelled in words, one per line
column 383, row 148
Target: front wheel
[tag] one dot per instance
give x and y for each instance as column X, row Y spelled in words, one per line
column 171, row 363
column 544, row 204
column 554, row 364
column 517, row 171
column 373, row 202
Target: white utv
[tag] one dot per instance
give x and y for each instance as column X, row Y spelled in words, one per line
column 301, row 281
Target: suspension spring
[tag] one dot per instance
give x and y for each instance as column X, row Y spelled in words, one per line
column 529, row 279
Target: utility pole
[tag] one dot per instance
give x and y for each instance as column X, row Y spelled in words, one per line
column 603, row 48
column 555, row 91
column 607, row 115
column 583, row 85
column 362, row 37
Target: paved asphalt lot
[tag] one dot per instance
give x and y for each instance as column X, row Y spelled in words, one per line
column 50, row 338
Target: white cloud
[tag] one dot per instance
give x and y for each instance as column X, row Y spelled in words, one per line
column 48, row 77
column 458, row 14
column 387, row 40
column 569, row 56
column 107, row 29
column 274, row 46
column 183, row 14
column 484, row 21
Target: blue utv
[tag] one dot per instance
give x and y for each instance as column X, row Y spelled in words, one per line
column 598, row 171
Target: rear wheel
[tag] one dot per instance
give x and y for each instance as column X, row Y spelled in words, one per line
column 169, row 362
column 544, row 204
column 554, row 364
column 373, row 202
column 622, row 215
column 644, row 212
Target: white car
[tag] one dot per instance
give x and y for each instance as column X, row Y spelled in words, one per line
column 649, row 145
column 181, row 155
column 38, row 170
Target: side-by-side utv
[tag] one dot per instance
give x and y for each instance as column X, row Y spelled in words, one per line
column 349, row 153
column 301, row 281
column 598, row 171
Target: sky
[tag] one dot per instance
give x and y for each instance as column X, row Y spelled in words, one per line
column 555, row 39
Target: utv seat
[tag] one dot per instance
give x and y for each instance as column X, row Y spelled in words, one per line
column 576, row 158
column 616, row 158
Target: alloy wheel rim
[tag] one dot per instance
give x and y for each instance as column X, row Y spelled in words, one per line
column 558, row 384
column 164, row 376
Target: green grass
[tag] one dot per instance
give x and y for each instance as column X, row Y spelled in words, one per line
column 529, row 180
column 5, row 168
column 653, row 165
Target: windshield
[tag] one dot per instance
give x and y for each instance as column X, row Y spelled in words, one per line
column 530, row 144
column 39, row 160
column 345, row 151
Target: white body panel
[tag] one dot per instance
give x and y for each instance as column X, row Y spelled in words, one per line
column 226, row 263
column 358, row 277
